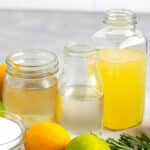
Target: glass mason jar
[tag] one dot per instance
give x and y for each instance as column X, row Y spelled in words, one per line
column 12, row 131
column 30, row 86
column 80, row 100
column 122, row 65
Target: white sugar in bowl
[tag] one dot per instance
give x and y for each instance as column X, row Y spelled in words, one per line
column 11, row 131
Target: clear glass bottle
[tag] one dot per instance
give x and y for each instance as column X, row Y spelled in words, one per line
column 122, row 64
column 80, row 100
column 30, row 86
column 12, row 131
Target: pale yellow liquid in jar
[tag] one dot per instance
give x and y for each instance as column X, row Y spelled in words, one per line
column 123, row 72
column 32, row 104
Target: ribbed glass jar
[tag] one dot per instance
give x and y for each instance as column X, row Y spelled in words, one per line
column 30, row 86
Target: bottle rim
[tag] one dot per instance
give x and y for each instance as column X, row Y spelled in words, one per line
column 80, row 50
column 16, row 119
column 120, row 17
column 32, row 63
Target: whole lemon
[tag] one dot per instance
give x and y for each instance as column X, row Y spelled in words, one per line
column 46, row 136
column 2, row 76
column 87, row 142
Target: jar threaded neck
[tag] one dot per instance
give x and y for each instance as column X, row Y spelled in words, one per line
column 32, row 63
column 120, row 17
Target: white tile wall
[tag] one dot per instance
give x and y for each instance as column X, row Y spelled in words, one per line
column 135, row 5
column 83, row 5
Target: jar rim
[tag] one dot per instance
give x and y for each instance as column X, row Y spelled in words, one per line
column 19, row 122
column 120, row 17
column 80, row 50
column 32, row 61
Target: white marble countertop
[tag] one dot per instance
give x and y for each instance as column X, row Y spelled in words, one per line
column 51, row 30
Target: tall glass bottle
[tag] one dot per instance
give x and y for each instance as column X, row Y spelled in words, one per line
column 80, row 100
column 122, row 64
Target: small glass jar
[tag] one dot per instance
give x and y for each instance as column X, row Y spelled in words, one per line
column 122, row 65
column 13, row 128
column 30, row 86
column 80, row 100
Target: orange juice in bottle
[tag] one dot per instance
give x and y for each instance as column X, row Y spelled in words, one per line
column 122, row 65
column 123, row 72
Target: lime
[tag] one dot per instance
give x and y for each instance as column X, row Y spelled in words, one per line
column 87, row 142
column 2, row 108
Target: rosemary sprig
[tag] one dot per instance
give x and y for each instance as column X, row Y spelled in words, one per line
column 129, row 142
column 117, row 145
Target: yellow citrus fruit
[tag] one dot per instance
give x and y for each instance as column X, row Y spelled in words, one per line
column 2, row 76
column 46, row 136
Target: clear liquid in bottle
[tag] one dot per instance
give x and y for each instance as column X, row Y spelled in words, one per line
column 80, row 109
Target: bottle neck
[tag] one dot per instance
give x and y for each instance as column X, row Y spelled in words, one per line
column 122, row 28
column 120, row 20
column 81, row 53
